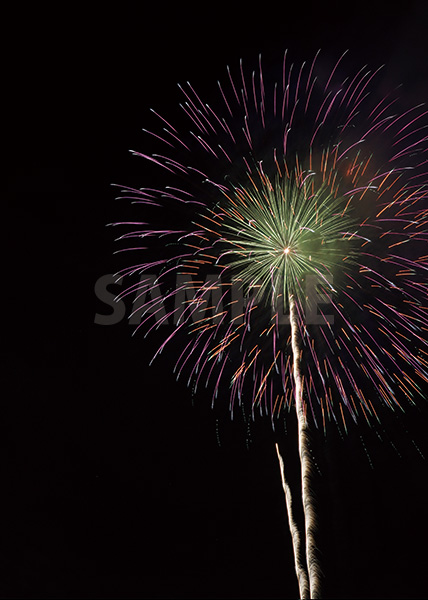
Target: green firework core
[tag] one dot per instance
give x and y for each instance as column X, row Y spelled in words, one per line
column 276, row 234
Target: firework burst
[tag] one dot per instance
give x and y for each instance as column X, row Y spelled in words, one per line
column 309, row 188
column 292, row 256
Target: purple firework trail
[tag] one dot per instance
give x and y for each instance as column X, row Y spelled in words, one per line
column 295, row 190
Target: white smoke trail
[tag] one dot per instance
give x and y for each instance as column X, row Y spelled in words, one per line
column 314, row 569
column 296, row 535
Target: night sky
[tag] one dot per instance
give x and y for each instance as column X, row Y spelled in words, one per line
column 117, row 482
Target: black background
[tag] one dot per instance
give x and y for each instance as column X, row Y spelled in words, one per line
column 116, row 486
